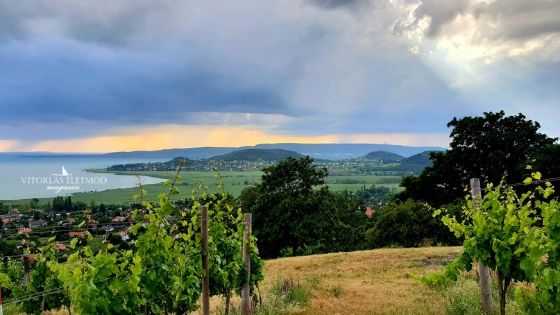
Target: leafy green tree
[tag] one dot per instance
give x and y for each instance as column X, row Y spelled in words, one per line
column 491, row 147
column 547, row 162
column 4, row 208
column 34, row 203
column 374, row 195
column 295, row 213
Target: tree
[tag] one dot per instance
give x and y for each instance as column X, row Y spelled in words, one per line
column 34, row 203
column 491, row 147
column 295, row 213
column 374, row 195
column 547, row 162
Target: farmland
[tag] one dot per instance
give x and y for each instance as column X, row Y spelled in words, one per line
column 233, row 181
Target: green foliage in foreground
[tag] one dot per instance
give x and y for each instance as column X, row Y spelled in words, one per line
column 159, row 273
column 463, row 298
column 517, row 236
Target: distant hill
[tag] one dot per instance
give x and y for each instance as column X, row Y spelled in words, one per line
column 152, row 166
column 257, row 155
column 330, row 151
column 417, row 162
column 384, row 156
column 338, row 151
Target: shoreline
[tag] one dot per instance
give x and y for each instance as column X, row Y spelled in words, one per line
column 20, row 201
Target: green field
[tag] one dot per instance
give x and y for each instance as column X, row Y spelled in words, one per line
column 233, row 182
column 189, row 181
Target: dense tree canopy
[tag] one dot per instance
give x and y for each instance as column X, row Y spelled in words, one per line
column 491, row 147
column 548, row 163
column 295, row 213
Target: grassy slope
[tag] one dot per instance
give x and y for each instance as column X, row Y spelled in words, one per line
column 379, row 281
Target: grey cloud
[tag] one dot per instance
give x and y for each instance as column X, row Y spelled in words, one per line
column 519, row 19
column 332, row 4
column 65, row 83
column 113, row 24
column 497, row 20
column 440, row 13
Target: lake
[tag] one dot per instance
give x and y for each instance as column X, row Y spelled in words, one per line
column 29, row 176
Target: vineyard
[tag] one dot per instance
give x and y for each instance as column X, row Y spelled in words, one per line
column 173, row 259
column 513, row 235
column 159, row 269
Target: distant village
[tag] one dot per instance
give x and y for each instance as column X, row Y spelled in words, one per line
column 348, row 167
column 23, row 229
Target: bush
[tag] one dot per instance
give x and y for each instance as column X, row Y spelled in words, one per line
column 291, row 292
column 408, row 224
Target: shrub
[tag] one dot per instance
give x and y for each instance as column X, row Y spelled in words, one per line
column 291, row 292
column 407, row 224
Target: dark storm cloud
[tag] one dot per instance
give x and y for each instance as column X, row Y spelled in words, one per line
column 500, row 19
column 87, row 20
column 64, row 82
column 76, row 68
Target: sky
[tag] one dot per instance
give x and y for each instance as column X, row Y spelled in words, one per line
column 99, row 76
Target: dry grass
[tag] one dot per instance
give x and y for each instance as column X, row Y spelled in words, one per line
column 379, row 281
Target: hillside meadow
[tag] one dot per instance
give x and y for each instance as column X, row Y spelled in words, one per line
column 382, row 281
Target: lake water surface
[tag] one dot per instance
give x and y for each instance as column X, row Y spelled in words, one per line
column 23, row 177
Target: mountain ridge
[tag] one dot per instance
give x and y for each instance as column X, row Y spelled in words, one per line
column 330, row 151
column 384, row 156
column 256, row 155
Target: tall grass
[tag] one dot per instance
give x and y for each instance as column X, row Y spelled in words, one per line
column 285, row 297
column 463, row 298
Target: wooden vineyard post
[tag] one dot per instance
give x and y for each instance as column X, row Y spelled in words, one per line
column 483, row 270
column 246, row 305
column 205, row 269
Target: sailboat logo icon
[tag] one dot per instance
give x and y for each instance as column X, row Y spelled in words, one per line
column 64, row 173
